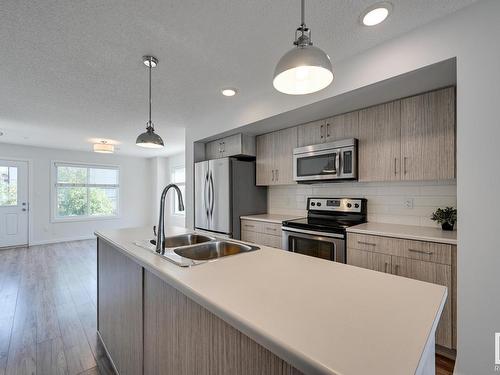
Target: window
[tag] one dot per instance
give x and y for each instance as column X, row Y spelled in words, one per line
column 85, row 192
column 8, row 186
column 178, row 178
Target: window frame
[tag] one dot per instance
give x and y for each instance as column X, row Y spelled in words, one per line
column 54, row 218
column 174, row 196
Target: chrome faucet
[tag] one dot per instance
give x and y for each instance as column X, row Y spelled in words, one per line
column 160, row 235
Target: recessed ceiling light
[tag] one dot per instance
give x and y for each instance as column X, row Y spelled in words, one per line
column 376, row 14
column 229, row 92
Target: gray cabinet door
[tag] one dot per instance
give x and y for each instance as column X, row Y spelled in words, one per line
column 312, row 133
column 220, row 195
column 342, row 126
column 380, row 142
column 284, row 141
column 213, row 150
column 428, row 136
column 231, row 145
column 264, row 161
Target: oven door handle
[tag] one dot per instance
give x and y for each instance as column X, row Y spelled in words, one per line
column 313, row 232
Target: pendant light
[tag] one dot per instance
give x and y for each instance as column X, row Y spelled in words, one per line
column 304, row 69
column 149, row 139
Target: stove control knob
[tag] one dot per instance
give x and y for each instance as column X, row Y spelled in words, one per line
column 356, row 205
column 349, row 205
column 319, row 204
column 313, row 204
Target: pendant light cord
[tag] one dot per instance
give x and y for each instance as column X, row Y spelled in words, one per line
column 302, row 12
column 150, row 124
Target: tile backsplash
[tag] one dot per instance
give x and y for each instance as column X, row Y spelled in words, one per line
column 387, row 201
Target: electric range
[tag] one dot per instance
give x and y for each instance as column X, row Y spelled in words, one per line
column 322, row 233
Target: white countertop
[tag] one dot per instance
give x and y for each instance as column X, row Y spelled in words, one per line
column 410, row 232
column 320, row 316
column 270, row 218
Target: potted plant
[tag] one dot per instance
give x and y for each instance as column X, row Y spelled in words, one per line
column 446, row 217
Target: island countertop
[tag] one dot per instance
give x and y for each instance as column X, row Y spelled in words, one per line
column 321, row 317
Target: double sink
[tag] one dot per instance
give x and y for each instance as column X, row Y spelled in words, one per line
column 191, row 248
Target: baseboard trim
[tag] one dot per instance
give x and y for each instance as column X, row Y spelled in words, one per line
column 59, row 240
column 107, row 352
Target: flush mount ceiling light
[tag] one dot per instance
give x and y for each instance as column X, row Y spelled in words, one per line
column 229, row 92
column 149, row 139
column 104, row 147
column 304, row 69
column 376, row 13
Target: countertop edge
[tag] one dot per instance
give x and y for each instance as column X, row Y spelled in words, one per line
column 447, row 241
column 280, row 349
column 265, row 220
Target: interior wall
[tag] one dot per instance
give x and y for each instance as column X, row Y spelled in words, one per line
column 470, row 35
column 386, row 200
column 134, row 203
column 162, row 168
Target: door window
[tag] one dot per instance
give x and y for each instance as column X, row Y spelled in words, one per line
column 8, row 186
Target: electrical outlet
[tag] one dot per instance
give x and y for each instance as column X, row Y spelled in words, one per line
column 408, row 203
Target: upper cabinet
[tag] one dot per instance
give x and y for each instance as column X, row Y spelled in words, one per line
column 428, row 136
column 237, row 144
column 328, row 130
column 380, row 142
column 408, row 139
column 275, row 157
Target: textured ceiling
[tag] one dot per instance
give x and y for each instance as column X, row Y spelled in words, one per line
column 71, row 71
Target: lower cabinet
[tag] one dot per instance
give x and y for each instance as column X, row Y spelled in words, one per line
column 261, row 233
column 119, row 308
column 419, row 260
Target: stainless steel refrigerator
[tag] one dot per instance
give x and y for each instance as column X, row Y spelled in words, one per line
column 225, row 190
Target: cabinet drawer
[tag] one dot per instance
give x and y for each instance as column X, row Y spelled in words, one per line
column 271, row 228
column 419, row 250
column 251, row 226
column 269, row 240
column 248, row 236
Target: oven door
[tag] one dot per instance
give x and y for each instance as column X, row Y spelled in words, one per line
column 328, row 246
column 316, row 165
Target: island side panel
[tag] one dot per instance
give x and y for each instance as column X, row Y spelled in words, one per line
column 183, row 338
column 120, row 308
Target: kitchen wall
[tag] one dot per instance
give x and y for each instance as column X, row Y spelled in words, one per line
column 470, row 35
column 162, row 176
column 386, row 200
column 135, row 202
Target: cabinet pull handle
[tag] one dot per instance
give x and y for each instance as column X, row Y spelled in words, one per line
column 367, row 243
column 273, row 174
column 421, row 251
column 277, row 174
column 249, row 226
column 327, row 129
column 273, row 229
column 396, row 267
column 404, row 162
column 321, row 128
column 386, row 265
column 395, row 171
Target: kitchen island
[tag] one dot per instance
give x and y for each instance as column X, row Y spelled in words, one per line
column 267, row 311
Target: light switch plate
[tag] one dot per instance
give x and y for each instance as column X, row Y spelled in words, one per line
column 408, row 203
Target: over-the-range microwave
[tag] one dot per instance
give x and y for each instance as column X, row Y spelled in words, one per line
column 331, row 161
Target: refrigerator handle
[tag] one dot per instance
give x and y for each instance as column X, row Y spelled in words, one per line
column 206, row 195
column 213, row 195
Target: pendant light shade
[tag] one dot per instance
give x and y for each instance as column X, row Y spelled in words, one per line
column 305, row 68
column 149, row 139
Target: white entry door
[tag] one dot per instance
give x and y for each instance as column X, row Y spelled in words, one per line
column 13, row 203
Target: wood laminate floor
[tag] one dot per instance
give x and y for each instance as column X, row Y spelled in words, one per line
column 48, row 298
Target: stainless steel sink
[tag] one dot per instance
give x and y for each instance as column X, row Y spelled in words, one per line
column 213, row 250
column 184, row 240
column 191, row 249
